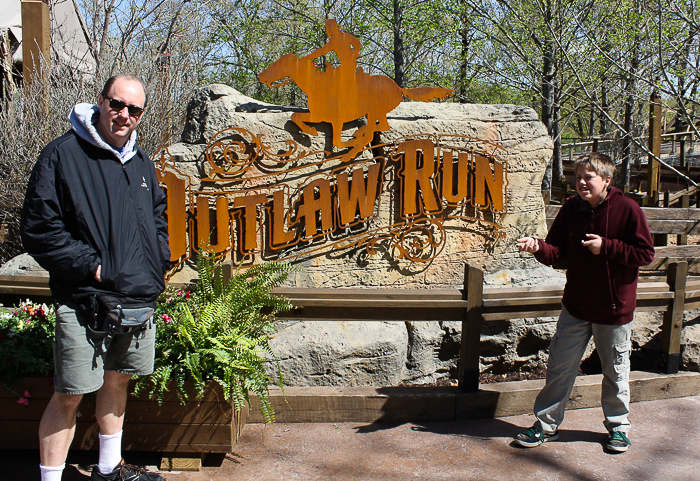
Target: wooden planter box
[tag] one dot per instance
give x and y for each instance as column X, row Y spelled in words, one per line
column 206, row 426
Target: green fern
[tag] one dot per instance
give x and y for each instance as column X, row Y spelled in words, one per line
column 222, row 334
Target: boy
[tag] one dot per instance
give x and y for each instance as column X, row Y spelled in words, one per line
column 605, row 238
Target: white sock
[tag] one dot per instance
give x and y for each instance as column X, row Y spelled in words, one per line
column 110, row 452
column 51, row 473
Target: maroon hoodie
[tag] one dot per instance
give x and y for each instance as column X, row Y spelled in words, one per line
column 600, row 288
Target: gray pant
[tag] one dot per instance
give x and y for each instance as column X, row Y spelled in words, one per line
column 82, row 356
column 565, row 353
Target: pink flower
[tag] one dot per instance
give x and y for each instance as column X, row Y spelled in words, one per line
column 166, row 318
column 27, row 395
column 23, row 400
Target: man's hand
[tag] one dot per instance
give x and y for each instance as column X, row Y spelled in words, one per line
column 528, row 244
column 98, row 272
column 594, row 244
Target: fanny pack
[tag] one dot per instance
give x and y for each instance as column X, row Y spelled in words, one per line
column 114, row 315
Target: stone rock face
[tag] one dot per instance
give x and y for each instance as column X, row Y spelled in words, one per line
column 22, row 265
column 526, row 149
column 341, row 353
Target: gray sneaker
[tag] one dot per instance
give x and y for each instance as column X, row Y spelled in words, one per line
column 125, row 472
column 618, row 442
column 534, row 437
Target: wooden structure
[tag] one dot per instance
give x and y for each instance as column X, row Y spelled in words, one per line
column 36, row 35
column 679, row 221
column 472, row 306
column 185, row 434
column 476, row 305
column 333, row 404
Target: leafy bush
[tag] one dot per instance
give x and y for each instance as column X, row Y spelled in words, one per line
column 26, row 341
column 220, row 332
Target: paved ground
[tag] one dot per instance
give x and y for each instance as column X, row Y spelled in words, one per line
column 665, row 437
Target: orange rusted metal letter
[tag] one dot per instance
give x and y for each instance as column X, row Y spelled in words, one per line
column 488, row 180
column 356, row 196
column 249, row 220
column 417, row 181
column 311, row 204
column 176, row 213
column 280, row 237
column 448, row 177
column 223, row 224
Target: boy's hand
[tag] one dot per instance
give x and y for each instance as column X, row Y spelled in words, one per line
column 528, row 244
column 594, row 244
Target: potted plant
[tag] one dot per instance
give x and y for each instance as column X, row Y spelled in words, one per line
column 220, row 333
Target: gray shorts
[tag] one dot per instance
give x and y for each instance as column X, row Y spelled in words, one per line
column 81, row 356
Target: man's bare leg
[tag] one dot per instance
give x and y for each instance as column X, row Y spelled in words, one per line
column 111, row 402
column 110, row 406
column 57, row 428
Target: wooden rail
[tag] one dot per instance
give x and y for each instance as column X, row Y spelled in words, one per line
column 663, row 222
column 473, row 306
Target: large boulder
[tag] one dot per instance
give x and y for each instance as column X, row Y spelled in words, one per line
column 22, row 265
column 371, row 353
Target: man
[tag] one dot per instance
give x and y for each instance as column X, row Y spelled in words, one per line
column 347, row 48
column 93, row 218
column 605, row 238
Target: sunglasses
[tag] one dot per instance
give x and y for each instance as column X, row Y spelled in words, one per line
column 118, row 106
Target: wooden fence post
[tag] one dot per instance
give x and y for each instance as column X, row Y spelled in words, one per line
column 672, row 326
column 653, row 169
column 227, row 271
column 681, row 160
column 682, row 239
column 468, row 375
column 36, row 37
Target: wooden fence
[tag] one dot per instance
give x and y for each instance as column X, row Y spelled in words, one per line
column 473, row 305
column 663, row 222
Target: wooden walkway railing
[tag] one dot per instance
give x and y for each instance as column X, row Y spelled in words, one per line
column 473, row 306
column 664, row 221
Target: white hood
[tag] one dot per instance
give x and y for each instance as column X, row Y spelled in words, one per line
column 82, row 121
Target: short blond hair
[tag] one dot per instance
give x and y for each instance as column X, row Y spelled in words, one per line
column 599, row 163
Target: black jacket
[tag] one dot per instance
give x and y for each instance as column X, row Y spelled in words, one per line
column 85, row 208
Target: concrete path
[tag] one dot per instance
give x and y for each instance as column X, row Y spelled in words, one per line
column 665, row 437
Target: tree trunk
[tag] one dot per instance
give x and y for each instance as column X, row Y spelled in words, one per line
column 462, row 78
column 398, row 44
column 630, row 89
column 603, row 124
column 557, row 166
column 548, row 103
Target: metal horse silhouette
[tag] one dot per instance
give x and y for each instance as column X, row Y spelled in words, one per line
column 345, row 93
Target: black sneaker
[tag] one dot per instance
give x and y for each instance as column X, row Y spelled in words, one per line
column 125, row 472
column 618, row 442
column 534, row 437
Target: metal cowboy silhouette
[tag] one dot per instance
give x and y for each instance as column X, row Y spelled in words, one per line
column 345, row 93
